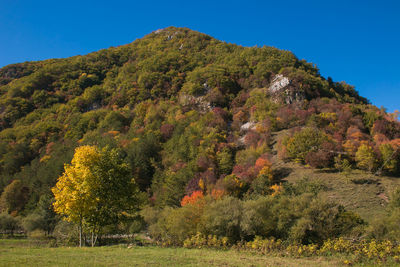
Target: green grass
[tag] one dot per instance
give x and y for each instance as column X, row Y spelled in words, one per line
column 26, row 253
column 367, row 199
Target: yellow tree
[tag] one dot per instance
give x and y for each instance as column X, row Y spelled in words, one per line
column 95, row 190
column 366, row 157
column 73, row 192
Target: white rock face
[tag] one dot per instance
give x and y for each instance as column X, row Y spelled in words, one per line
column 247, row 126
column 199, row 102
column 278, row 83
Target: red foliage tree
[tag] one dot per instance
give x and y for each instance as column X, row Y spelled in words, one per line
column 192, row 199
column 319, row 159
column 167, row 130
column 252, row 138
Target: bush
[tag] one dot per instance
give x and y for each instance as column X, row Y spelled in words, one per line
column 390, row 158
column 321, row 220
column 200, row 241
column 173, row 226
column 37, row 234
column 303, row 142
column 222, row 218
column 258, row 218
column 66, row 233
column 8, row 224
column 319, row 159
column 34, row 222
column 366, row 158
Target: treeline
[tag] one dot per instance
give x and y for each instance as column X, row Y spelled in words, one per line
column 295, row 213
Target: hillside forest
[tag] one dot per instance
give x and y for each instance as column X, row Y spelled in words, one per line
column 184, row 136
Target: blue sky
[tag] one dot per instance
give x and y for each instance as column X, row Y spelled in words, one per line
column 355, row 41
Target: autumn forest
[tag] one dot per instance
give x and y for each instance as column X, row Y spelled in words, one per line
column 193, row 141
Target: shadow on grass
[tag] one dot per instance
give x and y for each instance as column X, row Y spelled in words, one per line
column 282, row 173
column 365, row 181
column 326, row 171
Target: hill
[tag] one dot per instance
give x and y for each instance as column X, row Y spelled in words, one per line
column 190, row 113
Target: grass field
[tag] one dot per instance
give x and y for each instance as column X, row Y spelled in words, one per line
column 25, row 252
column 28, row 253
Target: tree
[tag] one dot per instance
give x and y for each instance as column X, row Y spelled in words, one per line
column 33, row 222
column 262, row 183
column 194, row 198
column 366, row 158
column 225, row 161
column 390, row 158
column 45, row 210
column 303, row 142
column 14, row 197
column 8, row 223
column 95, row 190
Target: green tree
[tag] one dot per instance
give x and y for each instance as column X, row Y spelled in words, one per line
column 14, row 197
column 95, row 190
column 366, row 158
column 225, row 161
column 33, row 222
column 8, row 223
column 301, row 143
column 222, row 218
column 390, row 158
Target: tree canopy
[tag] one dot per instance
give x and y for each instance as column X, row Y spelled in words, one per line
column 96, row 189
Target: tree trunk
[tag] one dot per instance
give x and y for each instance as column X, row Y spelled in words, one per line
column 95, row 239
column 95, row 234
column 80, row 233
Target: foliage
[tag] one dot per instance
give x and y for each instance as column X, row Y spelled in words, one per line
column 96, row 189
column 303, row 142
column 390, row 158
column 302, row 218
column 194, row 198
column 14, row 197
column 366, row 158
column 33, row 222
column 181, row 112
column 210, row 241
column 222, row 218
column 8, row 224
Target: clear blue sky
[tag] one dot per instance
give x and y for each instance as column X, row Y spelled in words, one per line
column 354, row 41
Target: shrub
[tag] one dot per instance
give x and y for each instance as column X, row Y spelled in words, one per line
column 258, row 218
column 66, row 233
column 366, row 158
column 234, row 186
column 320, row 220
column 342, row 164
column 303, row 142
column 222, row 218
column 390, row 158
column 14, row 197
column 319, row 159
column 8, row 224
column 194, row 198
column 173, row 226
column 200, row 241
column 33, row 222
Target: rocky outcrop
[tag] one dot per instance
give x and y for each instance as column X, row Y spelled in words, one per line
column 282, row 90
column 195, row 102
